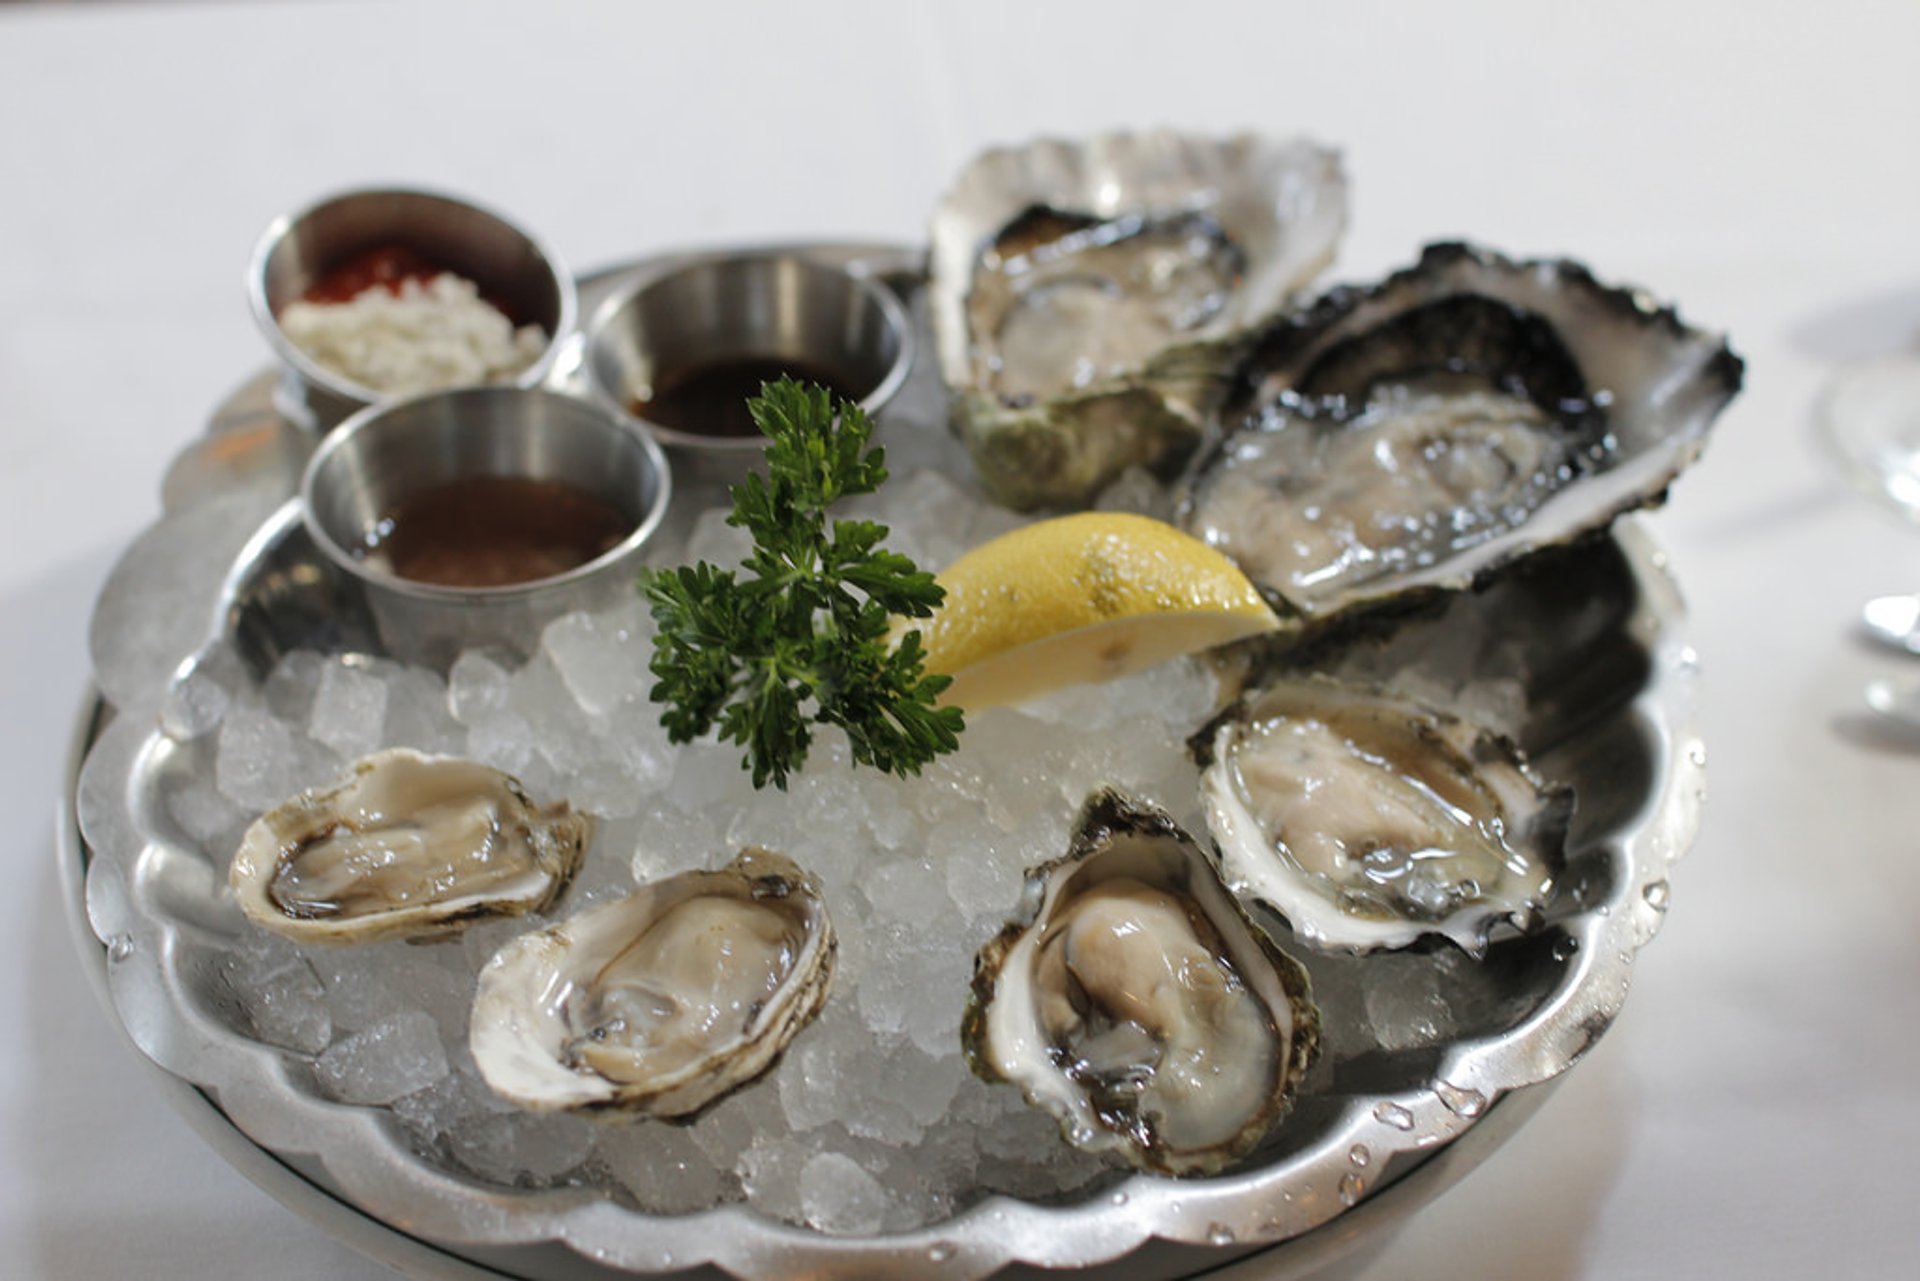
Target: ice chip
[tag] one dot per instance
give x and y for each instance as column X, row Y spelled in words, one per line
column 417, row 714
column 602, row 657
column 840, row 1198
column 504, row 740
column 290, row 687
column 349, row 710
column 476, row 686
column 255, row 765
column 662, row 1166
column 201, row 692
column 379, row 1064
column 282, row 996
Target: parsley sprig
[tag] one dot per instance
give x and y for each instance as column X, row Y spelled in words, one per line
column 799, row 635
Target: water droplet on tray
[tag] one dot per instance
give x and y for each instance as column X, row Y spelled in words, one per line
column 1359, row 1155
column 1460, row 1100
column 1656, row 895
column 1219, row 1234
column 941, row 1251
column 1352, row 1187
column 1394, row 1115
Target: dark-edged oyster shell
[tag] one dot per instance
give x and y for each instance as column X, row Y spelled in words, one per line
column 1134, row 1000
column 1466, row 411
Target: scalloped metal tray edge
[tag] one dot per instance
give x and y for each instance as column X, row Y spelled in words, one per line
column 1308, row 1201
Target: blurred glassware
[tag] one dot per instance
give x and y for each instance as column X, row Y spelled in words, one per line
column 1869, row 419
column 1893, row 621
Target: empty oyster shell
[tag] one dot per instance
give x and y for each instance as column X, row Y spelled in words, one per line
column 1468, row 410
column 1368, row 820
column 406, row 846
column 1134, row 1001
column 1081, row 294
column 658, row 1003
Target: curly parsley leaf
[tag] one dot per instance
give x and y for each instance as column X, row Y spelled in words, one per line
column 798, row 636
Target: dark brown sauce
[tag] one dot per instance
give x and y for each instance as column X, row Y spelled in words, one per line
column 389, row 266
column 711, row 399
column 493, row 531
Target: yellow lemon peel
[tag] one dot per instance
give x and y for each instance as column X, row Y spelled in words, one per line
column 1081, row 598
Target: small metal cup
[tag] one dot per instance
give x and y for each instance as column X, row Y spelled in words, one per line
column 510, row 267
column 773, row 306
column 385, row 454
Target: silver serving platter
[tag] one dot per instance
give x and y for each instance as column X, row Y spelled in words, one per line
column 1377, row 1133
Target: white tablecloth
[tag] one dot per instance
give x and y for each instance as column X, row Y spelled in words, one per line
column 1753, row 1113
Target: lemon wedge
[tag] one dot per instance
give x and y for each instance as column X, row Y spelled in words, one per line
column 1081, row 598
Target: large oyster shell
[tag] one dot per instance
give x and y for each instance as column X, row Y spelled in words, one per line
column 407, row 845
column 1420, row 433
column 658, row 1003
column 1368, row 820
column 1081, row 293
column 1134, row 1001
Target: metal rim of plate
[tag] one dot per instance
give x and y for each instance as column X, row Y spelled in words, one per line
column 308, row 1195
column 1315, row 1203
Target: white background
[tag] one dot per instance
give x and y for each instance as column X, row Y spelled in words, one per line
column 1753, row 1114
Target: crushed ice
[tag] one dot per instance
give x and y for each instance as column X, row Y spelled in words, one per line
column 872, row 1122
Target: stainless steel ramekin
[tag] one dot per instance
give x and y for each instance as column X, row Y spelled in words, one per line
column 771, row 306
column 510, row 266
column 387, row 453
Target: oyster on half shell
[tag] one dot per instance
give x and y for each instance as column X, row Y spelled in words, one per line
column 658, row 1003
column 1368, row 820
column 1083, row 295
column 1135, row 1001
column 407, row 846
column 1468, row 410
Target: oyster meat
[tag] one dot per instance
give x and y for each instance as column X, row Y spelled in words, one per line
column 658, row 1003
column 1468, row 410
column 1368, row 820
column 1135, row 1001
column 407, row 846
column 1085, row 295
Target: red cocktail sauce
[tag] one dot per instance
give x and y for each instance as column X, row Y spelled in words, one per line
column 384, row 265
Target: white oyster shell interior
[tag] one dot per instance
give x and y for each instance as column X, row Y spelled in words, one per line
column 1139, row 1006
column 657, row 1003
column 1368, row 821
column 1098, row 300
column 1416, row 476
column 407, row 846
column 1180, row 237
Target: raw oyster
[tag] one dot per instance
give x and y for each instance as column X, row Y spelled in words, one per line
column 1134, row 1001
column 408, row 845
column 1082, row 293
column 658, row 1003
column 1468, row 410
column 1368, row 820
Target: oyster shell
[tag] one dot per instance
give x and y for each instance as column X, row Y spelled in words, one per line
column 658, row 1003
column 1468, row 410
column 1081, row 295
column 408, row 845
column 1135, row 1001
column 1368, row 820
